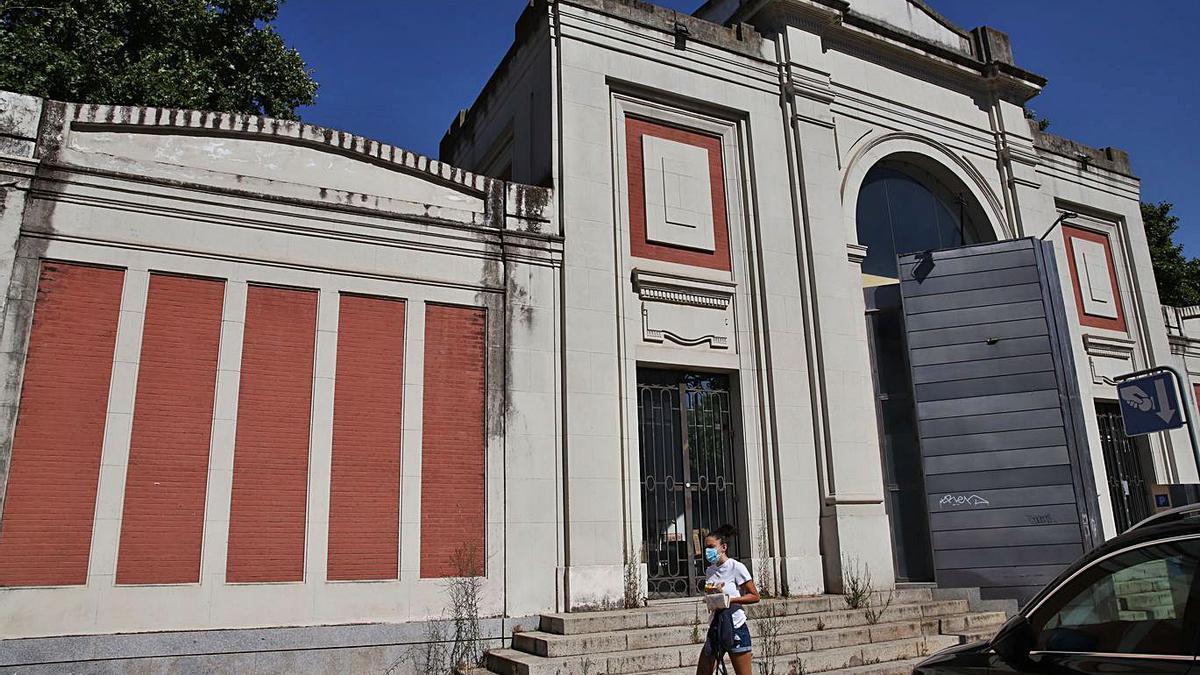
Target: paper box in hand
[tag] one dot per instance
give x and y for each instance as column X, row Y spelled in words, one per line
column 716, row 601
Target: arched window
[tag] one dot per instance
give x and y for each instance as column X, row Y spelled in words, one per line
column 903, row 208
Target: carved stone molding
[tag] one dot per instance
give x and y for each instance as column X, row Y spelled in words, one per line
column 1108, row 357
column 685, row 312
column 1109, row 347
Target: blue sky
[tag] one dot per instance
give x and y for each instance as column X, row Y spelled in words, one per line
column 1121, row 73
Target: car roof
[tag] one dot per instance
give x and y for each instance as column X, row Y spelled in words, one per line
column 1179, row 522
column 1187, row 511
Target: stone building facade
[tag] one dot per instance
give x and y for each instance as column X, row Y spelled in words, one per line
column 814, row 109
column 646, row 304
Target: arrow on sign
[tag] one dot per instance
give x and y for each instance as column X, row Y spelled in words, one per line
column 1165, row 411
column 1137, row 399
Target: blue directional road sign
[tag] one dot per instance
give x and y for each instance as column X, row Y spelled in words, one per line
column 1149, row 404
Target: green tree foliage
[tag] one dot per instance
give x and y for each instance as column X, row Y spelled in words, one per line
column 1178, row 276
column 218, row 55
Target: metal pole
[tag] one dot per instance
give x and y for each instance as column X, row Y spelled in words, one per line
column 1183, row 406
column 1062, row 218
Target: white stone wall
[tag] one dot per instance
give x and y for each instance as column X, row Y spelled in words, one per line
column 1108, row 202
column 768, row 357
column 246, row 200
column 1183, row 335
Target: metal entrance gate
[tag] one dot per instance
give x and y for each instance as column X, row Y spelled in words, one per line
column 1126, row 486
column 689, row 479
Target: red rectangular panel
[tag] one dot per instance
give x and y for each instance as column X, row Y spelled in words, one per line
column 641, row 247
column 1070, row 234
column 163, row 520
column 267, row 514
column 452, row 441
column 50, row 502
column 364, row 499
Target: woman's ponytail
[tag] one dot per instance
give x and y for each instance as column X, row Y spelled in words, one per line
column 724, row 533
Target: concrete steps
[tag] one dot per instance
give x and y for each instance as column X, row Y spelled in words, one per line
column 682, row 659
column 820, row 630
column 904, row 667
column 813, row 635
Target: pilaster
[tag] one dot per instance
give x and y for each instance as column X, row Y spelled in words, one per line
column 854, row 523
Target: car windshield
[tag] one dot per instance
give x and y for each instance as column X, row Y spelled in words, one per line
column 1141, row 601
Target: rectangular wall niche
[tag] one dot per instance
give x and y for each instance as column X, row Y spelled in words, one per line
column 49, row 509
column 268, row 507
column 364, row 494
column 453, row 434
column 166, row 482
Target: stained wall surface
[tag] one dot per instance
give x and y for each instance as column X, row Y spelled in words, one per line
column 243, row 398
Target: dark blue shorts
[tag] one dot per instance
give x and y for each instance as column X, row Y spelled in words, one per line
column 741, row 640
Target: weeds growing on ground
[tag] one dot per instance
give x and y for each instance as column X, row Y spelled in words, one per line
column 457, row 642
column 429, row 656
column 464, row 590
column 769, row 624
column 874, row 614
column 633, row 580
column 767, row 643
column 859, row 590
column 856, row 584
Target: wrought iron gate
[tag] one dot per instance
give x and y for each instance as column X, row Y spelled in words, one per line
column 1126, row 486
column 689, row 479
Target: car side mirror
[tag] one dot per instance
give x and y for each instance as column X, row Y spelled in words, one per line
column 1014, row 641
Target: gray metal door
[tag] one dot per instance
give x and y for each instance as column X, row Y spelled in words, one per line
column 1008, row 476
column 1126, row 486
column 689, row 479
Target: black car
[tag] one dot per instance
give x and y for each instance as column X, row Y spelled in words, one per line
column 1132, row 605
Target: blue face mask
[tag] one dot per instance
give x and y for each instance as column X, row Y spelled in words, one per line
column 711, row 555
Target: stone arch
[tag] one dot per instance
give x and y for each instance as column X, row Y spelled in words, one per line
column 929, row 155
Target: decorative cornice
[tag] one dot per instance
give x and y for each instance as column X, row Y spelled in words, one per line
column 710, row 323
column 682, row 291
column 1108, row 347
column 1181, row 346
column 1018, row 155
column 200, row 122
column 816, row 121
column 680, row 297
column 815, row 88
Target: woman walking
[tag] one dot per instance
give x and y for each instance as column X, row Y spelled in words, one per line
column 728, row 632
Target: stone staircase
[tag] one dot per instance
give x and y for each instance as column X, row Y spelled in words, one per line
column 812, row 635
